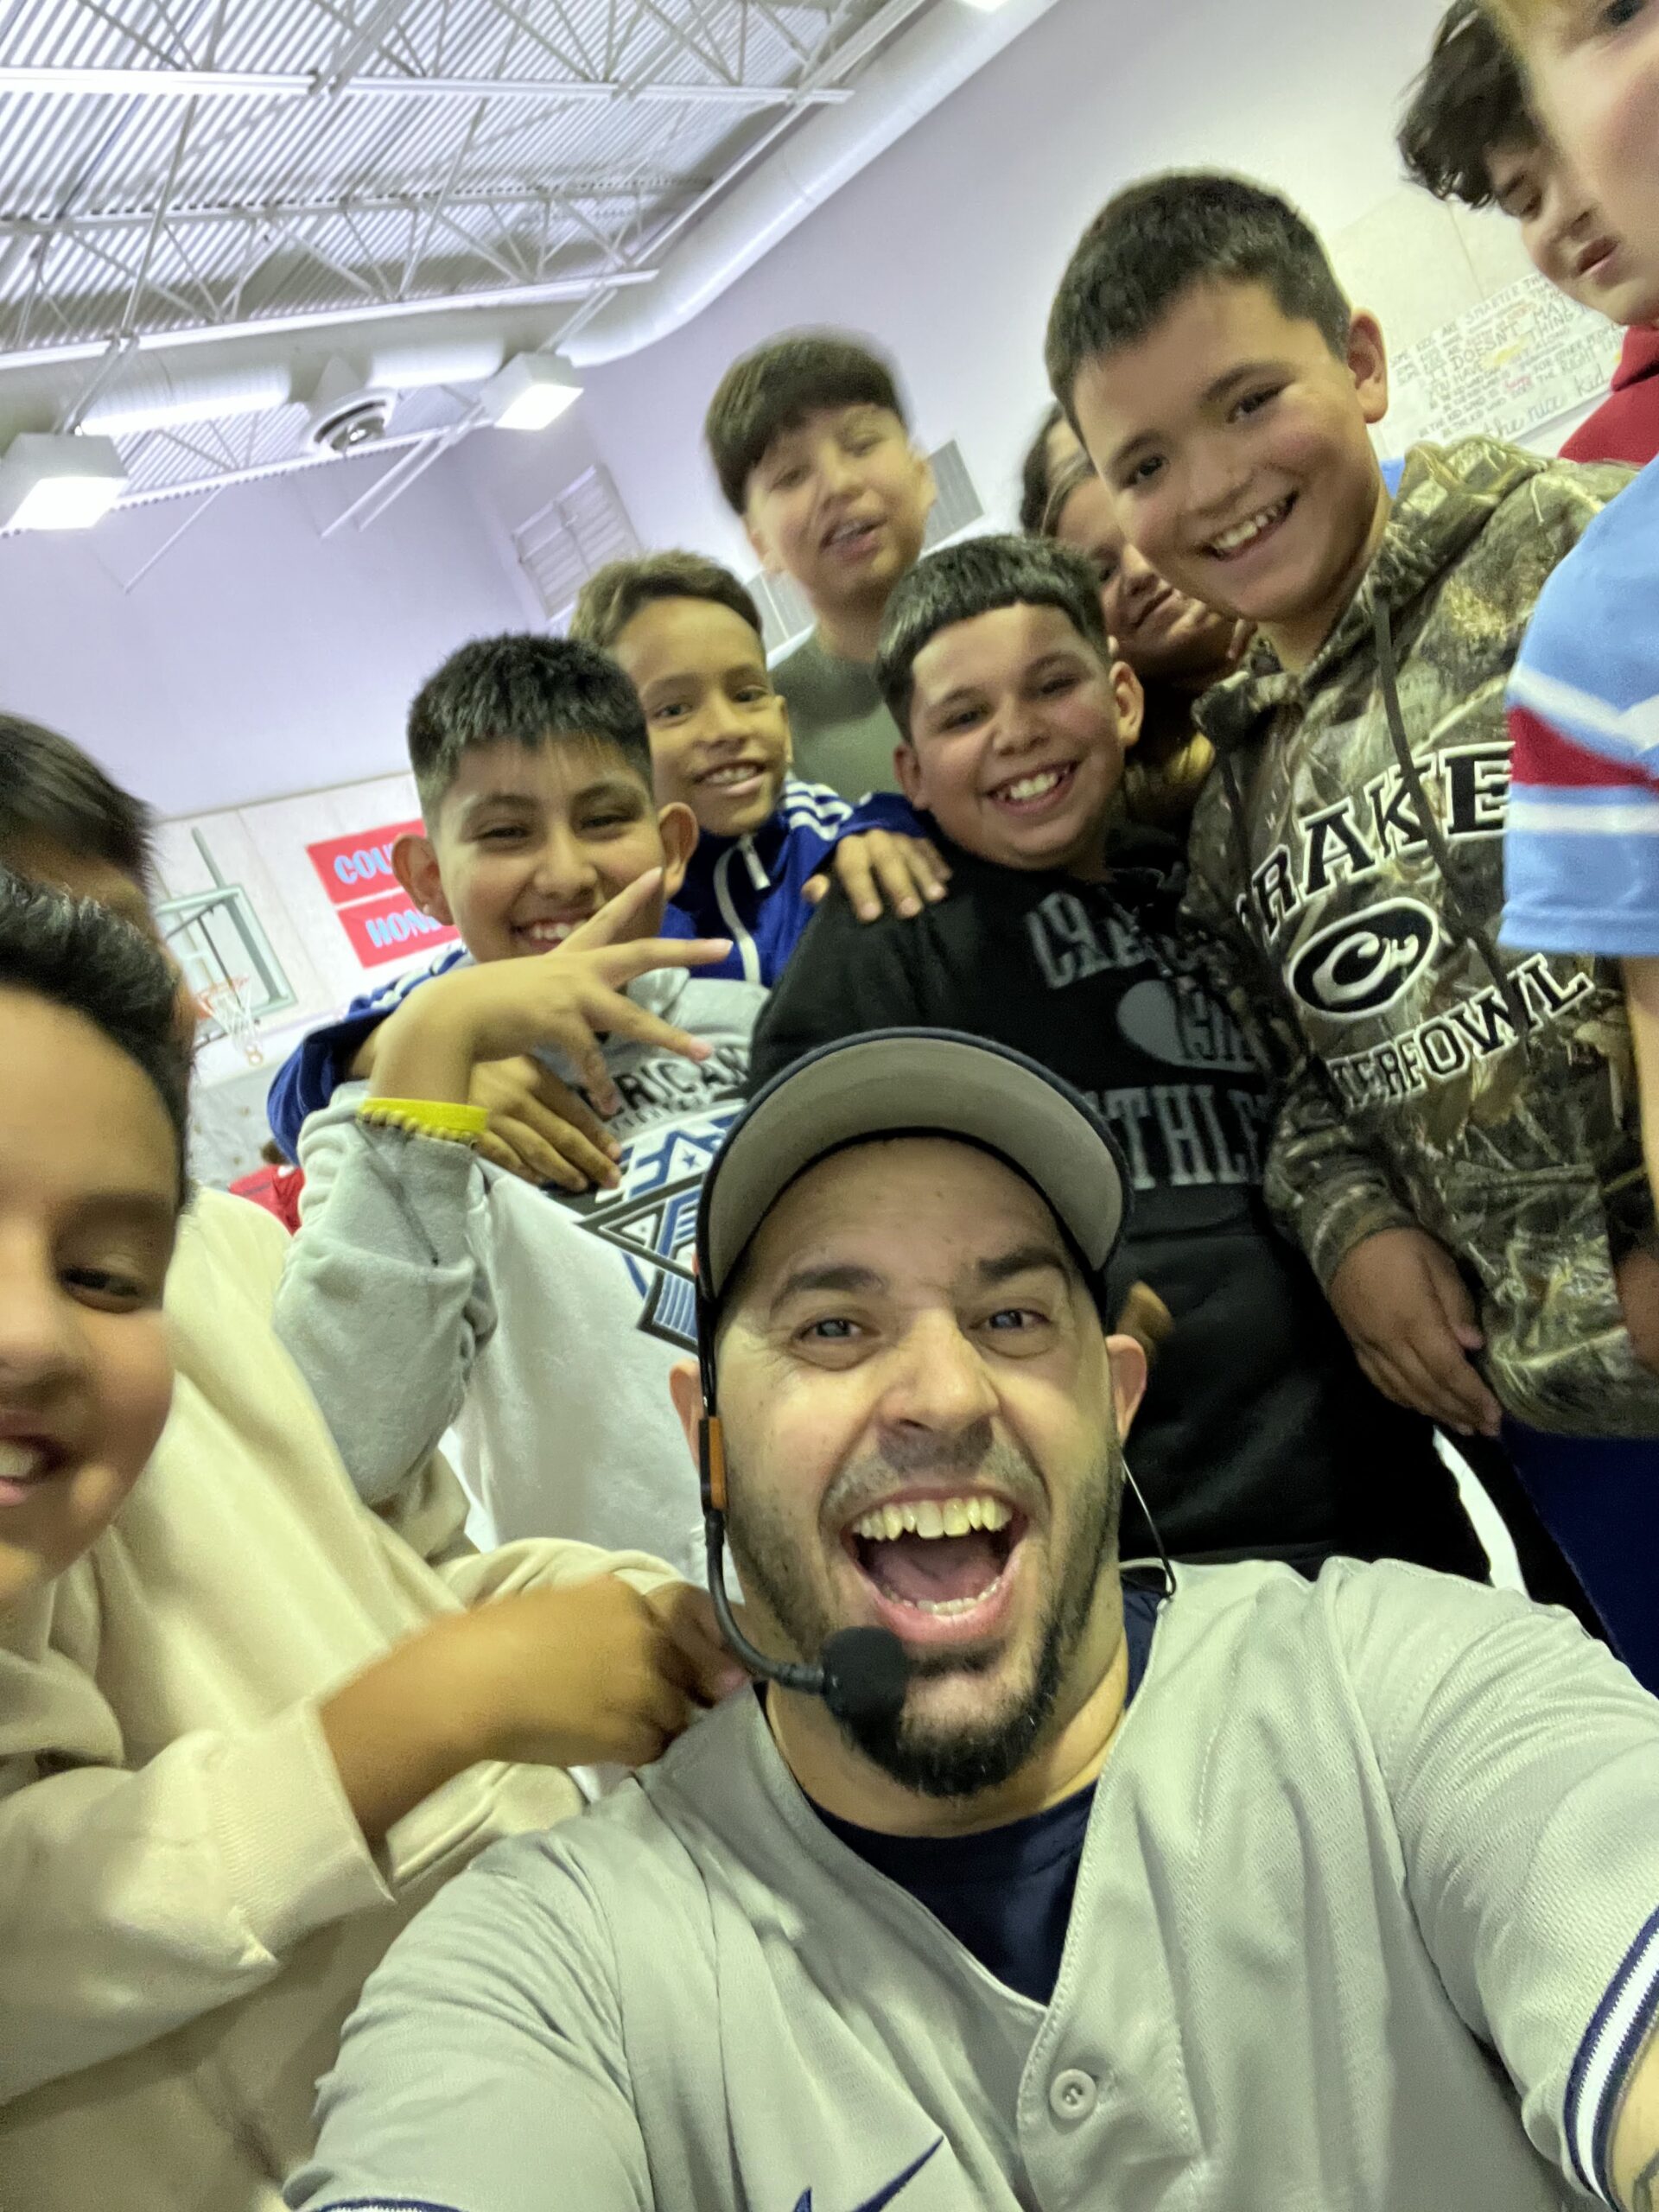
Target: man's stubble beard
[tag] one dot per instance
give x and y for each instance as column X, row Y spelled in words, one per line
column 963, row 1762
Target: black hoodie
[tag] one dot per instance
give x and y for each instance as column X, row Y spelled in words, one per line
column 1259, row 1437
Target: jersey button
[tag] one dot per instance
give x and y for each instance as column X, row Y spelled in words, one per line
column 1073, row 2095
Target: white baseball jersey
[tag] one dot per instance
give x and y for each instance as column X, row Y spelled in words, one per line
column 1365, row 1923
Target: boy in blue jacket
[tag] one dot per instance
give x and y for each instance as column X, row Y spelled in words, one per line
column 688, row 636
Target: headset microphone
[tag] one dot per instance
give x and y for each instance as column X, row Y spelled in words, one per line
column 861, row 1673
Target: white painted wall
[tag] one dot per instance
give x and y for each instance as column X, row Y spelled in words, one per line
column 256, row 657
column 948, row 248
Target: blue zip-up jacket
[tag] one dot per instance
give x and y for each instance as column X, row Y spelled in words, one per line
column 745, row 888
column 749, row 888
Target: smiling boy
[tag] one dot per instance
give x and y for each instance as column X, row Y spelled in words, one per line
column 1061, row 938
column 687, row 635
column 252, row 1726
column 1470, row 134
column 1580, row 852
column 810, row 443
column 1458, row 1152
column 428, row 1286
column 91, row 1181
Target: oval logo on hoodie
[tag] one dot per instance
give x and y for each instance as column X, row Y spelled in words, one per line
column 1359, row 965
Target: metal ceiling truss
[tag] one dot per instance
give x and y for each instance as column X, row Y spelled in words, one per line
column 175, row 167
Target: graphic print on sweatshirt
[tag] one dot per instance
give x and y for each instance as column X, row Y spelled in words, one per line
column 1358, row 967
column 1199, row 1133
column 650, row 1218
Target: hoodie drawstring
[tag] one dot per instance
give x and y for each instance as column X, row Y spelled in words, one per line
column 1467, row 924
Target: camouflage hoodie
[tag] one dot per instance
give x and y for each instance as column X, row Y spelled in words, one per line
column 1485, row 1096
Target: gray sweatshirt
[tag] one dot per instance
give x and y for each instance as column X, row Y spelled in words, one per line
column 427, row 1291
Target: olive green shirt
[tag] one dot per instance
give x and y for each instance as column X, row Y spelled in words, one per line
column 843, row 734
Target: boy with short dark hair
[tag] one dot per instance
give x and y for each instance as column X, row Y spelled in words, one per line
column 1061, row 938
column 1457, row 1153
column 688, row 637
column 1582, row 874
column 1470, row 134
column 812, row 444
column 428, row 1287
column 254, row 1726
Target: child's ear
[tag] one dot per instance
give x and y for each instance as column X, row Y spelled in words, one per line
column 679, row 828
column 1131, row 702
column 1368, row 364
column 787, row 727
column 928, row 484
column 761, row 546
column 910, row 774
column 415, row 864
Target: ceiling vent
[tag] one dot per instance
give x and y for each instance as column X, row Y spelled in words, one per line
column 347, row 410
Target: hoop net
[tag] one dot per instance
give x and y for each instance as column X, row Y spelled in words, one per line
column 229, row 1007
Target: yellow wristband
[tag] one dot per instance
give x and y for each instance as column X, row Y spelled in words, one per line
column 427, row 1117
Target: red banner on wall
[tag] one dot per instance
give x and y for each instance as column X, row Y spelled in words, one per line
column 375, row 911
column 390, row 927
column 359, row 867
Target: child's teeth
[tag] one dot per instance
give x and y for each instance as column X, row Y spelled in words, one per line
column 20, row 1463
column 1232, row 540
column 1036, row 787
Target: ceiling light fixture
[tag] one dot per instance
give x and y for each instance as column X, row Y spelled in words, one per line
column 530, row 391
column 50, row 480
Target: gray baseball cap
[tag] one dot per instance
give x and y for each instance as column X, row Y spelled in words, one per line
column 920, row 1082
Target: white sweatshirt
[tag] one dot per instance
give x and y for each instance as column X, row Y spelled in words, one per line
column 428, row 1289
column 187, row 1908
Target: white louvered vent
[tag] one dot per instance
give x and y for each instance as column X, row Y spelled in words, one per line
column 785, row 613
column 958, row 503
column 575, row 533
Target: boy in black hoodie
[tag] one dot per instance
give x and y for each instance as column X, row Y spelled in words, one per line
column 1258, row 1437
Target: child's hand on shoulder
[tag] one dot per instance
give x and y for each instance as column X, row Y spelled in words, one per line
column 878, row 866
column 570, row 997
column 1411, row 1321
column 594, row 1672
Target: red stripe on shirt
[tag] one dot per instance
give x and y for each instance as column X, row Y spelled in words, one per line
column 1542, row 755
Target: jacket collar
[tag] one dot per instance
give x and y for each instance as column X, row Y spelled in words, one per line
column 1447, row 497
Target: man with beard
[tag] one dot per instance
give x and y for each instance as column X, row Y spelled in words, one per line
column 1214, row 1888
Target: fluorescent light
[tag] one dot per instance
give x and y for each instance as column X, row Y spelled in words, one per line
column 59, row 482
column 985, row 7
column 531, row 392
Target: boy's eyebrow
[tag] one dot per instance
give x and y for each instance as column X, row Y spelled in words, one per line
column 935, row 702
column 146, row 1210
column 1228, row 381
column 755, row 666
column 479, row 800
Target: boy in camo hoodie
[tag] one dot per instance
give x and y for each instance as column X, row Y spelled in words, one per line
column 1457, row 1150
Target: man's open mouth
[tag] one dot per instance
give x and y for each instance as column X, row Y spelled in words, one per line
column 937, row 1563
column 1245, row 536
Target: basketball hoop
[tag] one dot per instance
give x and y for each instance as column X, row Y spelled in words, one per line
column 228, row 1007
